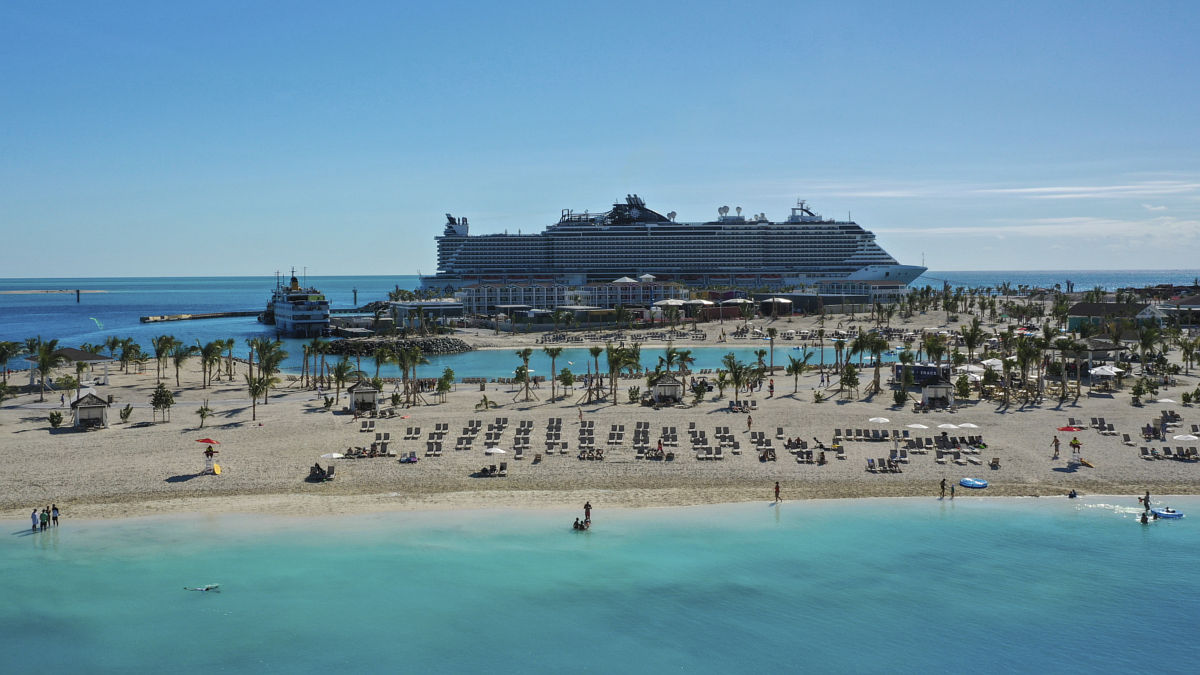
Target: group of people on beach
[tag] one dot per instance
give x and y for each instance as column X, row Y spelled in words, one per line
column 586, row 524
column 45, row 519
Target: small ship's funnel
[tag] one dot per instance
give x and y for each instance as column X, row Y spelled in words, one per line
column 295, row 284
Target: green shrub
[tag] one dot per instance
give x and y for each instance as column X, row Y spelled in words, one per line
column 56, row 419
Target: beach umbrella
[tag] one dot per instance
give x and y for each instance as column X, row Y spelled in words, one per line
column 670, row 302
column 332, row 455
column 993, row 363
column 880, row 420
column 779, row 301
column 1105, row 371
column 699, row 302
column 968, row 425
column 736, row 301
column 489, row 451
column 207, row 441
column 916, row 426
column 947, row 426
column 1186, row 437
column 970, row 368
column 1165, row 400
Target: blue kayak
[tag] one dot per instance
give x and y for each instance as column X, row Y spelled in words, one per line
column 973, row 483
column 1166, row 512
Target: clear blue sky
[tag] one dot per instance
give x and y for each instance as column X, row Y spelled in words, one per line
column 240, row 138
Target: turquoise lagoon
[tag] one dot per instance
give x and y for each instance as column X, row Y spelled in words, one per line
column 909, row 585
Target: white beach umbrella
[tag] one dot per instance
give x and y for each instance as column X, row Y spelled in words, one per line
column 968, row 425
column 1186, row 437
column 736, row 301
column 880, row 420
column 332, row 455
column 699, row 301
column 780, row 301
column 916, row 426
column 993, row 363
column 1165, row 400
column 670, row 302
column 970, row 368
column 489, row 451
column 1106, row 371
column 947, row 426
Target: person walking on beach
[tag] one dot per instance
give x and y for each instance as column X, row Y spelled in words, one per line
column 776, row 491
column 1055, row 443
column 749, row 422
column 943, row 488
column 581, row 415
column 34, row 517
column 771, row 388
column 62, row 400
column 54, row 514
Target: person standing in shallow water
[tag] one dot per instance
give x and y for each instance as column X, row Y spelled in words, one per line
column 776, row 491
column 587, row 512
column 943, row 488
column 45, row 519
column 54, row 514
column 34, row 517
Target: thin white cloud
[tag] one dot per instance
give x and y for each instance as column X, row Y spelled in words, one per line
column 1152, row 207
column 1163, row 229
column 1152, row 188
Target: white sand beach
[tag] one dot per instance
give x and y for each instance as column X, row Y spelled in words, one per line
column 141, row 468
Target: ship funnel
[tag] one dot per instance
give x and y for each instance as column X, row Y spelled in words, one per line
column 295, row 284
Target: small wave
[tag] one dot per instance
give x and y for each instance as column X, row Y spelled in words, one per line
column 1117, row 508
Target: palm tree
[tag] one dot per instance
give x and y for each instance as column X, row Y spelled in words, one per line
column 270, row 356
column 553, row 353
column 47, row 360
column 593, row 392
column 112, row 343
column 8, row 352
column 1148, row 337
column 796, row 368
column 340, row 372
column 739, row 373
column 771, row 334
column 163, row 344
column 255, row 387
column 179, row 355
column 669, row 358
column 130, row 351
column 210, row 355
column 683, row 357
column 382, row 355
column 747, row 310
column 523, row 373
column 408, row 358
column 972, row 337
column 877, row 345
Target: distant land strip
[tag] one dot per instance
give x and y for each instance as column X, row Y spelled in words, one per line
column 48, row 290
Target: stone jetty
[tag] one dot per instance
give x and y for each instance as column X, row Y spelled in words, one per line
column 428, row 345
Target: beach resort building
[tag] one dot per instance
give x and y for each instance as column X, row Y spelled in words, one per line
column 1100, row 313
column 484, row 299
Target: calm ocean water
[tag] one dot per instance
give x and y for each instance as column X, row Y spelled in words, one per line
column 125, row 300
column 913, row 585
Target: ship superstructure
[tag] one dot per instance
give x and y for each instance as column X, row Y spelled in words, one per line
column 733, row 250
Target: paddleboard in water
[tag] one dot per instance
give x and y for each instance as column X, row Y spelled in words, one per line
column 217, row 469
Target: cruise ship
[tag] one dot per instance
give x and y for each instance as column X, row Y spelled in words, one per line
column 734, row 250
column 296, row 311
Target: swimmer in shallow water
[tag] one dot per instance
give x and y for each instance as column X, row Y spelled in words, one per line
column 205, row 588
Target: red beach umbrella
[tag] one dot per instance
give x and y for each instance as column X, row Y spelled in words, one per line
column 207, row 441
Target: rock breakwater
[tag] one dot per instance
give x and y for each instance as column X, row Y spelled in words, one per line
column 428, row 345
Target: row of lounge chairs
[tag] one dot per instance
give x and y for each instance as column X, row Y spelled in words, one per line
column 1180, row 453
column 883, row 465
